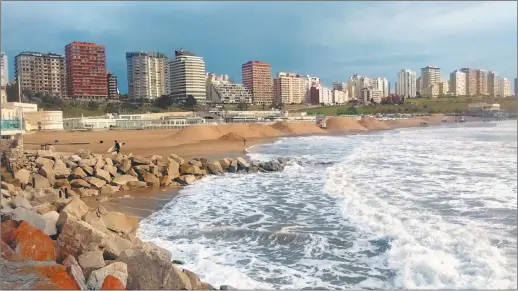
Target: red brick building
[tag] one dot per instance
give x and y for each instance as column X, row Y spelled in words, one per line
column 257, row 77
column 86, row 71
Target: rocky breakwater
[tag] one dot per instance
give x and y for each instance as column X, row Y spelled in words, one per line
column 61, row 243
column 87, row 174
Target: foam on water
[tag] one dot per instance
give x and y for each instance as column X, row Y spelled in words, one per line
column 416, row 208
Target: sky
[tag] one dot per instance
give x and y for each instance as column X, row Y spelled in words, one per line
column 330, row 40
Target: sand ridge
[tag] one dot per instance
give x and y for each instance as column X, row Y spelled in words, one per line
column 372, row 123
column 344, row 124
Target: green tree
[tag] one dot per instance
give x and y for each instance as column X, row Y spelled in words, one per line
column 352, row 111
column 164, row 101
column 92, row 105
column 190, row 102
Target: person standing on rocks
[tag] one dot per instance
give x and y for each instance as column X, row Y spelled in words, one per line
column 117, row 147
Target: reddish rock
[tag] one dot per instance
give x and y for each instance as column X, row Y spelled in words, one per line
column 31, row 243
column 57, row 274
column 112, row 283
column 7, row 227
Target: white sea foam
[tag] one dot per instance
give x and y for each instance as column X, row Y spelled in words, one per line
column 432, row 208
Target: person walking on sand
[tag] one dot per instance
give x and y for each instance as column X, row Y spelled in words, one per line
column 117, row 147
column 244, row 142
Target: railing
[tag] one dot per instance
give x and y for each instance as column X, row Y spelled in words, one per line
column 10, row 124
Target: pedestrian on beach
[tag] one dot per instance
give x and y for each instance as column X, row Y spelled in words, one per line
column 117, row 147
column 244, row 141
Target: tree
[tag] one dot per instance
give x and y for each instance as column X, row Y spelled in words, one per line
column 243, row 106
column 164, row 101
column 92, row 105
column 352, row 111
column 190, row 102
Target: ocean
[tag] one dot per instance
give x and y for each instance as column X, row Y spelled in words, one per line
column 411, row 208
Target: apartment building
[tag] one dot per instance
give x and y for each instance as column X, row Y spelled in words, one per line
column 492, row 84
column 306, row 82
column 429, row 75
column 257, row 77
column 458, row 83
column 355, row 84
column 187, row 77
column 444, row 88
column 86, row 71
column 481, row 83
column 340, row 96
column 382, row 85
column 147, row 75
column 41, row 72
column 371, row 94
column 113, row 91
column 220, row 89
column 406, row 84
column 289, row 88
column 471, row 81
column 321, row 95
column 4, row 70
column 505, row 87
column 418, row 86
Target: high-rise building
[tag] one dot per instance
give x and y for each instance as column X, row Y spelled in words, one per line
column 257, row 77
column 371, row 94
column 505, row 87
column 113, row 91
column 492, row 84
column 306, row 82
column 471, row 81
column 481, row 83
column 147, row 73
column 418, row 87
column 86, row 71
column 355, row 84
column 4, row 70
column 41, row 73
column 444, row 88
column 406, row 84
column 188, row 77
column 382, row 85
column 458, row 83
column 340, row 96
column 220, row 89
column 429, row 76
column 288, row 88
column 321, row 95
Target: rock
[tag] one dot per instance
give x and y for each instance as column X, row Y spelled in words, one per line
column 40, row 162
column 139, row 160
column 79, row 183
column 50, row 198
column 104, row 175
column 188, row 169
column 206, row 286
column 51, row 218
column 62, row 183
column 173, row 169
column 45, row 154
column 19, row 201
column 242, row 163
column 132, row 172
column 271, row 166
column 76, row 207
column 136, row 184
column 100, row 210
column 177, row 262
column 215, row 168
column 120, row 222
column 151, row 180
column 40, row 182
column 112, row 283
column 186, row 179
column 33, row 218
column 194, row 279
column 108, row 189
column 95, row 182
column 90, row 261
column 123, row 180
column 110, row 169
column 225, row 163
column 253, row 169
column 141, row 169
column 77, row 237
column 88, row 170
column 75, row 271
column 7, row 186
column 165, row 181
column 125, row 166
column 84, row 192
column 100, row 163
column 71, row 165
column 5, row 193
column 45, row 208
column 118, row 270
column 226, row 287
column 108, row 161
column 29, row 242
column 94, row 220
column 233, row 167
column 117, row 158
column 196, row 163
column 75, row 158
column 78, row 173
column 23, row 175
column 60, row 169
column 87, row 163
column 177, row 158
column 114, row 246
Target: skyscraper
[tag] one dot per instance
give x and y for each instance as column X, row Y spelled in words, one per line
column 382, row 85
column 146, row 75
column 505, row 87
column 4, row 71
column 492, row 84
column 257, row 77
column 41, row 73
column 406, row 84
column 471, row 81
column 288, row 88
column 481, row 83
column 113, row 91
column 429, row 77
column 187, row 76
column 86, row 71
column 458, row 83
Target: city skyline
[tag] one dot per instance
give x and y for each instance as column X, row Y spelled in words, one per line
column 305, row 46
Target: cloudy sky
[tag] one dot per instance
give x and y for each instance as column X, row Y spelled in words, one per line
column 332, row 40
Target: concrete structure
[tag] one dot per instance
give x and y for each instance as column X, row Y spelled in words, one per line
column 228, row 93
column 341, row 86
column 429, row 75
column 289, row 88
column 444, row 88
column 370, row 94
column 187, row 77
column 458, row 83
column 146, row 75
column 4, row 70
column 471, row 81
column 43, row 121
column 306, row 82
column 493, row 84
column 86, row 71
column 481, row 83
column 418, row 84
column 406, row 84
column 321, row 95
column 482, row 106
column 340, row 97
column 113, row 90
column 505, row 87
column 382, row 85
column 356, row 84
column 12, row 116
column 257, row 77
column 41, row 73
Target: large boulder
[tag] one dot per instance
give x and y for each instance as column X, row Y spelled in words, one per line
column 23, row 175
column 76, row 207
column 78, row 173
column 196, row 163
column 94, row 220
column 91, row 261
column 88, row 170
column 242, row 163
column 84, row 192
column 120, row 222
column 40, row 162
column 215, row 168
column 112, row 283
column 99, row 163
column 110, row 168
column 188, row 169
column 173, row 169
column 40, row 182
column 177, row 158
column 74, row 158
column 75, row 271
column 125, row 166
column 95, row 182
column 79, row 183
column 60, row 169
column 118, row 270
column 109, row 189
column 104, row 175
column 123, row 180
column 114, row 245
column 225, row 163
column 20, row 201
column 151, row 180
column 51, row 219
column 271, row 166
column 186, row 179
column 136, row 184
column 233, row 167
column 140, row 160
column 33, row 218
column 28, row 242
column 77, row 237
column 45, row 207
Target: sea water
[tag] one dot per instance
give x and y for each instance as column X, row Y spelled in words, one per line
column 412, row 208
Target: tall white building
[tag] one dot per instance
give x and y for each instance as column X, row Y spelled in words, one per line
column 306, row 82
column 458, row 83
column 187, row 77
column 147, row 75
column 370, row 94
column 493, row 84
column 355, row 84
column 288, row 89
column 4, row 70
column 429, row 76
column 382, row 85
column 406, row 84
column 505, row 87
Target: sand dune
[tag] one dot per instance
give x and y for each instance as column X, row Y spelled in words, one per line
column 231, row 136
column 372, row 123
column 298, row 128
column 198, row 132
column 344, row 124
